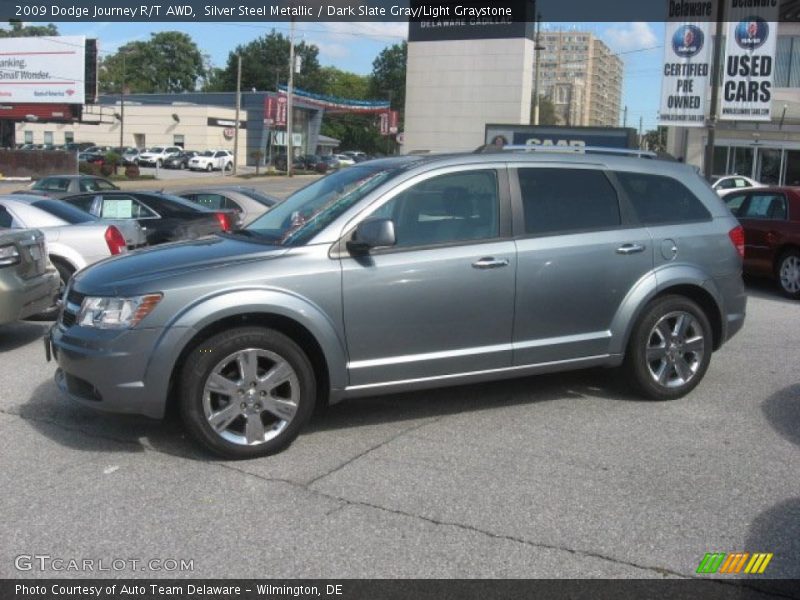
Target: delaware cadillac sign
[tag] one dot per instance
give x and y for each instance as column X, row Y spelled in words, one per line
column 687, row 60
column 43, row 70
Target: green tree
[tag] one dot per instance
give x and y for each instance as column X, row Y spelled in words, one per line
column 655, row 139
column 389, row 75
column 265, row 64
column 169, row 62
column 343, row 84
column 18, row 29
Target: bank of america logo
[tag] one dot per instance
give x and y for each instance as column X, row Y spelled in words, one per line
column 738, row 562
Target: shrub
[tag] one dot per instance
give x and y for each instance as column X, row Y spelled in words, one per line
column 89, row 168
column 132, row 171
column 106, row 170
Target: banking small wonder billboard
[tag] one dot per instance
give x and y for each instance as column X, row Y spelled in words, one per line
column 43, row 70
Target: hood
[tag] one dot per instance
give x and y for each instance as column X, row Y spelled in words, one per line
column 147, row 270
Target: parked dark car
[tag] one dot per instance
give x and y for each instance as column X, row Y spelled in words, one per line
column 58, row 186
column 165, row 218
column 249, row 204
column 313, row 162
column 771, row 220
column 180, row 161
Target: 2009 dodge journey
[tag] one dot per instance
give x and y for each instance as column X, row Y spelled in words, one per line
column 406, row 273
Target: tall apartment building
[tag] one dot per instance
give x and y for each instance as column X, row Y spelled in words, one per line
column 583, row 79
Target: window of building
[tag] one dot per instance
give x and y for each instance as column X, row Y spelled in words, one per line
column 562, row 200
column 69, row 137
column 48, row 137
column 28, row 137
column 177, row 140
column 658, row 199
column 787, row 61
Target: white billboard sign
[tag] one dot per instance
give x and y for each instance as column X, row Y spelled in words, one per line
column 42, row 70
column 687, row 65
column 752, row 35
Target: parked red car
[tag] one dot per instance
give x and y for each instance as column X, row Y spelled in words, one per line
column 771, row 220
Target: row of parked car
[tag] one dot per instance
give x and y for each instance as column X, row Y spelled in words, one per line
column 77, row 220
column 166, row 157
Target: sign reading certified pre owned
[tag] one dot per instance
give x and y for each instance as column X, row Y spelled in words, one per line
column 749, row 60
column 42, row 69
column 687, row 53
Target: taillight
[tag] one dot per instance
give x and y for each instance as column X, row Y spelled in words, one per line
column 116, row 241
column 737, row 239
column 223, row 220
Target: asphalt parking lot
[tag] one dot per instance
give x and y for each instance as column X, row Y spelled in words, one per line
column 565, row 475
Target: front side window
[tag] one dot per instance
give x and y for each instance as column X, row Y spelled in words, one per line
column 446, row 209
column 657, row 199
column 558, row 200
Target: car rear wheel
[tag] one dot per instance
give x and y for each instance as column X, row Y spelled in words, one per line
column 209, row 168
column 247, row 392
column 789, row 274
column 670, row 349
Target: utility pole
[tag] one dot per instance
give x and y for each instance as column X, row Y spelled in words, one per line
column 289, row 108
column 236, row 121
column 625, row 117
column 538, row 49
column 122, row 106
column 708, row 163
column 640, row 132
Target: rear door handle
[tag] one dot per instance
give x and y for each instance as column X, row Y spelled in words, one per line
column 630, row 249
column 489, row 262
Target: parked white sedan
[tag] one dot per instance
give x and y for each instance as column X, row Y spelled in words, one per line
column 74, row 238
column 729, row 183
column 212, row 160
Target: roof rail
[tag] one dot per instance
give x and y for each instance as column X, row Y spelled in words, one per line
column 568, row 150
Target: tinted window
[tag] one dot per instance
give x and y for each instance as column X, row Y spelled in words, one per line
column 214, row 201
column 449, row 208
column 734, row 202
column 765, row 206
column 559, row 200
column 102, row 184
column 5, row 217
column 261, row 199
column 64, row 211
column 54, row 184
column 658, row 199
column 726, row 184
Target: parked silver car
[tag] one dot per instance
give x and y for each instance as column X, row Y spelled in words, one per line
column 248, row 203
column 75, row 238
column 28, row 281
column 407, row 273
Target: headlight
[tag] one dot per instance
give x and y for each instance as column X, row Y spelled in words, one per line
column 116, row 313
column 8, row 256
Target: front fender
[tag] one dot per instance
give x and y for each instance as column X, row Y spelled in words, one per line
column 649, row 287
column 206, row 311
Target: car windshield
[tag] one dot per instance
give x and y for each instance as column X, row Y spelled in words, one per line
column 207, row 153
column 156, row 150
column 302, row 215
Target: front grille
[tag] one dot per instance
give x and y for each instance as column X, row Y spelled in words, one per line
column 72, row 305
column 82, row 388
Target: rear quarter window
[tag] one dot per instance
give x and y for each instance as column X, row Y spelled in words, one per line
column 658, row 199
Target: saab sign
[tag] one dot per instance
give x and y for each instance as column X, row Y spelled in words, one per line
column 43, row 70
column 532, row 135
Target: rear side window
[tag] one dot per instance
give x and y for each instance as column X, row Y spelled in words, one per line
column 734, row 202
column 6, row 220
column 562, row 200
column 658, row 199
column 64, row 211
column 766, row 206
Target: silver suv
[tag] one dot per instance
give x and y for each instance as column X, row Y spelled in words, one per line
column 407, row 273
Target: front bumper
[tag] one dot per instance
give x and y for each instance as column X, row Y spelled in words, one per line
column 113, row 370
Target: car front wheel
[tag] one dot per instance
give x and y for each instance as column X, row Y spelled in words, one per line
column 789, row 274
column 209, row 168
column 670, row 349
column 247, row 392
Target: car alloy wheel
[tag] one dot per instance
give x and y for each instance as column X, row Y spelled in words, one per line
column 789, row 274
column 675, row 349
column 251, row 396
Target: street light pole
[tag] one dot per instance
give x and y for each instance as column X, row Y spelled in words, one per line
column 289, row 107
column 538, row 48
column 236, row 121
column 122, row 106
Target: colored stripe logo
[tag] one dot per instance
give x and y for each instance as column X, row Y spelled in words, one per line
column 736, row 562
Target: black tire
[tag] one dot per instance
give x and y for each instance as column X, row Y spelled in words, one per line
column 208, row 357
column 209, row 168
column 65, row 271
column 159, row 163
column 661, row 316
column 788, row 274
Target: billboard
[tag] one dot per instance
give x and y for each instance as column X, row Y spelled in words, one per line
column 752, row 35
column 687, row 65
column 43, row 70
column 553, row 135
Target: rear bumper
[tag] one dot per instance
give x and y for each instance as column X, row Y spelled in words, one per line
column 21, row 298
column 734, row 304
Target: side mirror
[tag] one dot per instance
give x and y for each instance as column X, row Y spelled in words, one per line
column 372, row 233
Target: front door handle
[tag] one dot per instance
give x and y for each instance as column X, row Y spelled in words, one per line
column 489, row 262
column 630, row 249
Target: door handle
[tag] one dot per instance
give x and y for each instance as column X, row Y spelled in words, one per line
column 630, row 249
column 490, row 263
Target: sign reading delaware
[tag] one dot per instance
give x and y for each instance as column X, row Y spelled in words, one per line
column 43, row 69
